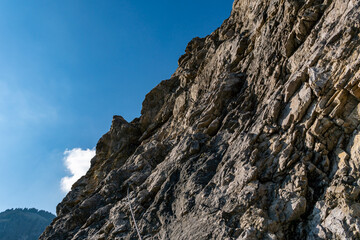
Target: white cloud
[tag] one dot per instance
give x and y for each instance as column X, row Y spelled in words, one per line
column 77, row 161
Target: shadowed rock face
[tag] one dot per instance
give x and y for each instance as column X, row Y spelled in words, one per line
column 255, row 136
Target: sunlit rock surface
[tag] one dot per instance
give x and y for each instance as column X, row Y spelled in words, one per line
column 255, row 136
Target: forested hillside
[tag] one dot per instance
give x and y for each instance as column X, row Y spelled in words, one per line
column 23, row 224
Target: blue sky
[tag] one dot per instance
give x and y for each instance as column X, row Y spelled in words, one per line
column 66, row 67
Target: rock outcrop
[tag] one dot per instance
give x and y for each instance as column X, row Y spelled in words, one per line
column 255, row 136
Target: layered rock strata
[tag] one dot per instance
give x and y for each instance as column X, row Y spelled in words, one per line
column 255, row 136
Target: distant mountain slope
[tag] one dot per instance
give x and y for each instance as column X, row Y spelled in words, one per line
column 23, row 224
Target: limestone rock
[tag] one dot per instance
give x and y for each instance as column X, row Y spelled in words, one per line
column 255, row 136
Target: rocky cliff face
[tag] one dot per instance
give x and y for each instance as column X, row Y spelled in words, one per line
column 255, row 136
